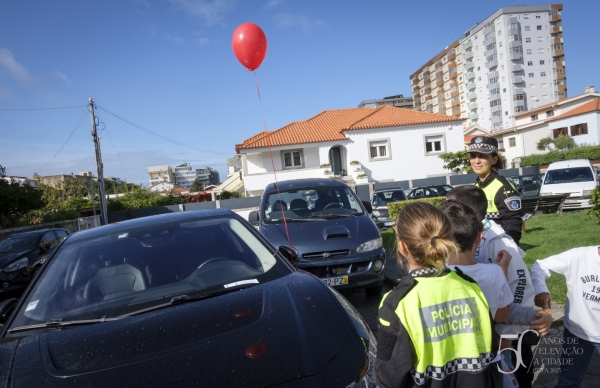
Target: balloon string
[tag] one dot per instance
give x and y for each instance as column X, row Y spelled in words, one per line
column 287, row 233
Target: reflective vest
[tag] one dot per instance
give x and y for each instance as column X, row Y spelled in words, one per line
column 448, row 321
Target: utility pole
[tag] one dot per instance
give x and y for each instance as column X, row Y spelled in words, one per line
column 100, row 167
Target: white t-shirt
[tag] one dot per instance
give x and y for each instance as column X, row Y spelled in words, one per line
column 581, row 268
column 519, row 280
column 492, row 282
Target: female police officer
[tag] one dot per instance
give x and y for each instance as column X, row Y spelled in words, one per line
column 435, row 328
column 504, row 202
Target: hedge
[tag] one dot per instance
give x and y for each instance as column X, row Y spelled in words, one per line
column 395, row 207
column 582, row 152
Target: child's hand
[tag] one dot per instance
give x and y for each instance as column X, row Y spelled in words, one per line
column 503, row 260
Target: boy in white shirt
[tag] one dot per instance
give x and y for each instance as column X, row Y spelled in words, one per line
column 581, row 268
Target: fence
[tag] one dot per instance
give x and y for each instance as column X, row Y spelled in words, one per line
column 71, row 225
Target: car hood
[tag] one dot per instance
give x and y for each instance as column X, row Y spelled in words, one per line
column 575, row 189
column 270, row 334
column 7, row 258
column 332, row 234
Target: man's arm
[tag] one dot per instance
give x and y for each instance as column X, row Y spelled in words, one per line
column 542, row 269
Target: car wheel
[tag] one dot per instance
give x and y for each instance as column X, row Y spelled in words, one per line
column 374, row 291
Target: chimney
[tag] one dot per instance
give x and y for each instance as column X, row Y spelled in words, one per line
column 590, row 89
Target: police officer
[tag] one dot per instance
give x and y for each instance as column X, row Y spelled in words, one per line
column 435, row 328
column 504, row 202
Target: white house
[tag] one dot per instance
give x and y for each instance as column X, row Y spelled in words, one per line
column 161, row 186
column 21, row 180
column 377, row 145
column 578, row 116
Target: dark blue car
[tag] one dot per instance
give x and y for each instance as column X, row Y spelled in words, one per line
column 329, row 228
column 196, row 298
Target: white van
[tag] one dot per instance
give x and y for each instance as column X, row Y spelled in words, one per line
column 575, row 177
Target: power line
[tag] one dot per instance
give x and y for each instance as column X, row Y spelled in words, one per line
column 61, row 147
column 115, row 148
column 161, row 136
column 60, row 107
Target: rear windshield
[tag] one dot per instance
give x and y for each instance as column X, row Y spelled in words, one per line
column 382, row 198
column 311, row 203
column 569, row 175
column 18, row 243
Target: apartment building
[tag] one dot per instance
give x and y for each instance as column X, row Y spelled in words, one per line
column 510, row 62
column 397, row 101
column 185, row 176
column 158, row 174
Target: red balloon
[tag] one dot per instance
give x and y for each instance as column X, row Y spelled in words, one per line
column 249, row 45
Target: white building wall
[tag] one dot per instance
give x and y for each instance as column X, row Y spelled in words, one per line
column 593, row 121
column 254, row 164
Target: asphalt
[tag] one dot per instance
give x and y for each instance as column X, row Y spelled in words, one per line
column 545, row 363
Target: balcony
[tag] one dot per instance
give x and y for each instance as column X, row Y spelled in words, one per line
column 452, row 85
column 558, row 40
column 519, row 102
column 556, row 30
column 494, row 85
column 467, row 45
column 517, row 67
column 513, row 31
column 471, row 85
column 518, row 79
column 472, row 95
column 472, row 105
column 557, row 53
column 555, row 18
column 474, row 116
column 492, row 64
column 470, row 75
column 453, row 74
column 515, row 56
column 468, row 55
column 561, row 87
column 496, row 108
column 452, row 55
column 469, row 65
column 560, row 75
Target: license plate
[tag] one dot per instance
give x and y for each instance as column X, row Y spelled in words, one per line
column 335, row 281
column 571, row 201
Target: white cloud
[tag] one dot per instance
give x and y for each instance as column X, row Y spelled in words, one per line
column 273, row 3
column 304, row 22
column 210, row 11
column 6, row 92
column 203, row 41
column 62, row 76
column 8, row 61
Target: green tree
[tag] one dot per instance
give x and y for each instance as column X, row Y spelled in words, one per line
column 16, row 201
column 138, row 199
column 197, row 185
column 564, row 143
column 544, row 144
column 457, row 162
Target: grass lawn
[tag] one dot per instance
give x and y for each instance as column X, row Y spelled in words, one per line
column 546, row 235
column 550, row 234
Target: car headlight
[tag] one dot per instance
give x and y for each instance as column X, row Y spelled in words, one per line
column 376, row 213
column 586, row 192
column 17, row 265
column 370, row 245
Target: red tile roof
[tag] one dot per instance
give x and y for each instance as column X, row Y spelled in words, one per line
column 591, row 106
column 330, row 125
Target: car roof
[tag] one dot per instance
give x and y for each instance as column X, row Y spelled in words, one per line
column 426, row 186
column 390, row 189
column 303, row 183
column 37, row 231
column 125, row 226
column 570, row 163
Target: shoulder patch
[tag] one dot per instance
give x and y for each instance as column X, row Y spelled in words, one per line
column 513, row 203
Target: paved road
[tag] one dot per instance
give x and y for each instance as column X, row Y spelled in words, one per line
column 366, row 305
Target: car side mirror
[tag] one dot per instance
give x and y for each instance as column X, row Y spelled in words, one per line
column 6, row 308
column 368, row 206
column 290, row 253
column 520, row 189
column 253, row 217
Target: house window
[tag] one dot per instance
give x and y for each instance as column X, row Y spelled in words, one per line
column 542, row 74
column 540, row 39
column 526, row 16
column 579, row 129
column 541, row 62
column 560, row 132
column 434, row 144
column 534, row 117
column 379, row 149
column 527, row 40
column 527, row 28
column 544, row 96
column 550, row 113
column 530, row 75
column 538, row 17
column 529, row 63
column 292, row 159
column 529, row 51
column 512, row 141
column 541, row 51
column 539, row 28
column 531, row 86
column 544, row 85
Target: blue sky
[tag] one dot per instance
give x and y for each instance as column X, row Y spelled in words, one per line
column 168, row 66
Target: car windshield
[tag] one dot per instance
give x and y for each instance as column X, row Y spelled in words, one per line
column 311, row 204
column 429, row 191
column 382, row 198
column 569, row 175
column 18, row 243
column 121, row 273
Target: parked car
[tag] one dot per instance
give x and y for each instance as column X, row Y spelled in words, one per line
column 381, row 198
column 191, row 298
column 576, row 177
column 329, row 227
column 429, row 191
column 528, row 185
column 22, row 254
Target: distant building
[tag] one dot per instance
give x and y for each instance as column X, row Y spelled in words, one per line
column 21, row 180
column 162, row 186
column 398, row 101
column 159, row 174
column 185, row 176
column 234, row 165
column 113, row 178
column 53, row 180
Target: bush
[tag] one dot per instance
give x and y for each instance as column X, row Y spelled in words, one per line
column 395, row 207
column 581, row 152
column 61, row 215
column 595, row 201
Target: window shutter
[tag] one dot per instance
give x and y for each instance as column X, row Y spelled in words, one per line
column 584, row 129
